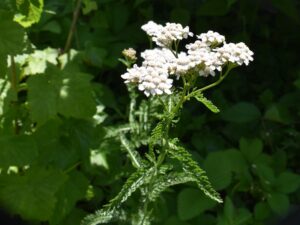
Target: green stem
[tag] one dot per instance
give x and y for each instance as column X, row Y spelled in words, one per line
column 173, row 113
column 222, row 77
column 133, row 96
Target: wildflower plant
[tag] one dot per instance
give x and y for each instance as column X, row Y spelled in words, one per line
column 168, row 77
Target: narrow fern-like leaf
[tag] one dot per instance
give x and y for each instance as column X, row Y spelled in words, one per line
column 192, row 167
column 135, row 181
column 133, row 154
column 103, row 216
column 166, row 181
column 156, row 135
column 200, row 97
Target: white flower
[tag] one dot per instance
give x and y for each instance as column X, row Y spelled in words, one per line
column 155, row 83
column 151, row 28
column 202, row 59
column 134, row 74
column 235, row 53
column 205, row 57
column 211, row 38
column 160, row 58
column 164, row 36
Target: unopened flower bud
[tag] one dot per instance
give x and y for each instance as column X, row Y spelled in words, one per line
column 130, row 54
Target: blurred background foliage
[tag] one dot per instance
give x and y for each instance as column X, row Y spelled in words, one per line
column 250, row 150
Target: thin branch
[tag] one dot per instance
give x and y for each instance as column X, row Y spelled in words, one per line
column 73, row 26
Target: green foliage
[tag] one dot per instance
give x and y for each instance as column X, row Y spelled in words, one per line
column 67, row 93
column 17, row 151
column 191, row 167
column 29, row 11
column 207, row 103
column 241, row 113
column 193, row 197
column 12, row 41
column 33, row 194
column 67, row 147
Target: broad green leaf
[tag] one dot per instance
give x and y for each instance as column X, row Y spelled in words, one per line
column 251, row 148
column 261, row 211
column 17, row 150
column 31, row 195
column 266, row 174
column 207, row 103
column 278, row 113
column 57, row 91
column 29, row 12
column 218, row 168
column 55, row 148
column 192, row 202
column 75, row 96
column 12, row 41
column 278, row 202
column 70, row 192
column 42, row 98
column 242, row 112
column 237, row 161
column 287, row 182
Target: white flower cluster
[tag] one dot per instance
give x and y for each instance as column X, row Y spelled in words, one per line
column 164, row 36
column 208, row 54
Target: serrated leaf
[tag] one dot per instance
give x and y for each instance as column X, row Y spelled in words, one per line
column 167, row 180
column 32, row 195
column 133, row 183
column 242, row 112
column 207, row 103
column 251, row 148
column 192, row 167
column 110, row 212
column 191, row 203
column 12, row 41
column 29, row 12
column 17, row 150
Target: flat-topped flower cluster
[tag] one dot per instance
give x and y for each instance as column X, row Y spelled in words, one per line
column 208, row 54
